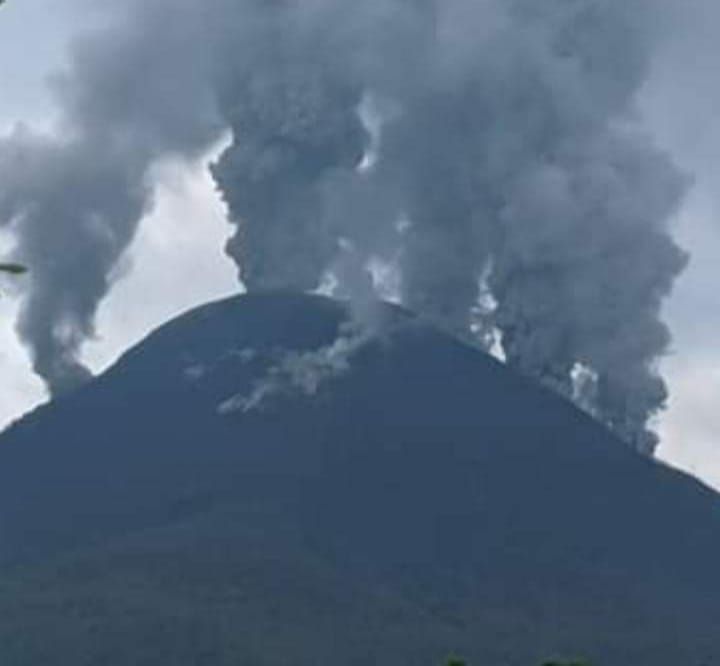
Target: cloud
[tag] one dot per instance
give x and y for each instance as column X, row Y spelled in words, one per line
column 503, row 156
column 74, row 198
column 690, row 430
column 511, row 146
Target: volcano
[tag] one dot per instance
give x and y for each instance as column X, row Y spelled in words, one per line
column 255, row 483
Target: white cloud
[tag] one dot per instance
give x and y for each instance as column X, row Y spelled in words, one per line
column 680, row 102
column 690, row 429
column 20, row 389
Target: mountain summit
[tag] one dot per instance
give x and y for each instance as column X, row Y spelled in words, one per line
column 263, row 482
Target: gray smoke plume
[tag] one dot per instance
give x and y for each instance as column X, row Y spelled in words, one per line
column 503, row 170
column 514, row 154
column 74, row 198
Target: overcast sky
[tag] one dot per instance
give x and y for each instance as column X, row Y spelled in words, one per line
column 159, row 278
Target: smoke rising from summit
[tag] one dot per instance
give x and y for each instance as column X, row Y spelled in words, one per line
column 512, row 149
column 508, row 178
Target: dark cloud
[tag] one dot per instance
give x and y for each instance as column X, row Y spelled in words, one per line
column 505, row 157
column 513, row 151
column 131, row 93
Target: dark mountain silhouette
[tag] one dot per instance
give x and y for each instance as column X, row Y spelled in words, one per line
column 422, row 500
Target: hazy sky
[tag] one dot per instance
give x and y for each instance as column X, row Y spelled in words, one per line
column 160, row 277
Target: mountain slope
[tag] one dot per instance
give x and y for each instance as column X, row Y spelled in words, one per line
column 407, row 500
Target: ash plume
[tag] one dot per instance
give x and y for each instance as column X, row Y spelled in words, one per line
column 515, row 154
column 73, row 198
column 503, row 170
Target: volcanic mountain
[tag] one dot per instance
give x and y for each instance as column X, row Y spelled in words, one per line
column 260, row 482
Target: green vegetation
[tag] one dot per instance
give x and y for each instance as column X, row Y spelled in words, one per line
column 454, row 661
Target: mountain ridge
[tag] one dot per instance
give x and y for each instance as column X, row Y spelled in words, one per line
column 422, row 500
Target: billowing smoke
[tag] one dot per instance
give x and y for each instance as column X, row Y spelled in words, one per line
column 511, row 151
column 502, row 171
column 74, row 197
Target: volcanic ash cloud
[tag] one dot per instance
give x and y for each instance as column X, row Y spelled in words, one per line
column 489, row 152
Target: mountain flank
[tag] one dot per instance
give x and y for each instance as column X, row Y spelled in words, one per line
column 262, row 482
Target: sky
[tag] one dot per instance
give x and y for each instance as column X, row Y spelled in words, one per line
column 159, row 277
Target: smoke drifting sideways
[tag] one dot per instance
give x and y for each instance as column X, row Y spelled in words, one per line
column 506, row 176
